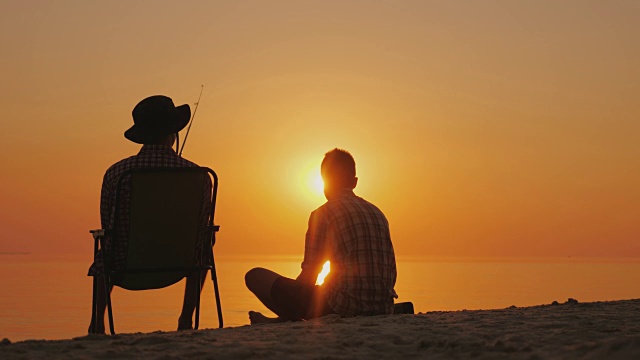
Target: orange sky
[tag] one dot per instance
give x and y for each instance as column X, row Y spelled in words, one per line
column 481, row 129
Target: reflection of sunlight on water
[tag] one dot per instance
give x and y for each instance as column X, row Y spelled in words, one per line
column 325, row 271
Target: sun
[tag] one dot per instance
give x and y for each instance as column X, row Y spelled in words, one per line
column 317, row 184
column 307, row 185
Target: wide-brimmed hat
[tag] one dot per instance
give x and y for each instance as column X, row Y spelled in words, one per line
column 156, row 117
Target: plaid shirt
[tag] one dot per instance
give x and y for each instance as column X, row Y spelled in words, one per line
column 354, row 235
column 150, row 156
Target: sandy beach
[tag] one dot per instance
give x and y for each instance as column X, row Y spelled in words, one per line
column 596, row 330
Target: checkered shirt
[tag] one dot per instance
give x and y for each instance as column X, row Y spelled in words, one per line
column 150, row 156
column 354, row 235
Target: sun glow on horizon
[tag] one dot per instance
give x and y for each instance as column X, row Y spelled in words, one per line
column 326, row 268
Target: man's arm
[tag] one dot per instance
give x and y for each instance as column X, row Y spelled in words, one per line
column 205, row 211
column 309, row 274
column 314, row 248
column 106, row 200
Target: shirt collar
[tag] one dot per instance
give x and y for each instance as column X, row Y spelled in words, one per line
column 344, row 192
column 157, row 149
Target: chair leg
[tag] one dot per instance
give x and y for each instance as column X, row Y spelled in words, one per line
column 107, row 288
column 94, row 306
column 214, row 278
column 198, row 291
column 107, row 284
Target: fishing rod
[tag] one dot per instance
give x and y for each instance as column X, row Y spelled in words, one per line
column 191, row 121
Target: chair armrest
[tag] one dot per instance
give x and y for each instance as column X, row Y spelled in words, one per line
column 211, row 233
column 98, row 237
column 98, row 233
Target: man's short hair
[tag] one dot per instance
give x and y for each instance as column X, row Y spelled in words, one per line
column 339, row 165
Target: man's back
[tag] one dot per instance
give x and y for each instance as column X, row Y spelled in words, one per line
column 150, row 156
column 354, row 235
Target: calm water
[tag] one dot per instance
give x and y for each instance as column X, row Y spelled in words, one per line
column 50, row 297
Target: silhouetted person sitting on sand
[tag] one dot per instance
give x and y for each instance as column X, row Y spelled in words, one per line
column 156, row 124
column 351, row 233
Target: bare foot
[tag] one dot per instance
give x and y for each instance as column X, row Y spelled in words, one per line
column 257, row 318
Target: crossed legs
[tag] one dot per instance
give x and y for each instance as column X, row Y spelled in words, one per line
column 260, row 282
column 290, row 300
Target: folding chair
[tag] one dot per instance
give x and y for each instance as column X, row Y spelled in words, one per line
column 165, row 209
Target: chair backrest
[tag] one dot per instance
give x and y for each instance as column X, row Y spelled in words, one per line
column 165, row 210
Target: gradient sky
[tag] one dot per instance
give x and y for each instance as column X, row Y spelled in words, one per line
column 481, row 128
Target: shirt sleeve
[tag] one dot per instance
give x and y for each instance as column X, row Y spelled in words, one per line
column 205, row 212
column 314, row 247
column 206, row 201
column 105, row 200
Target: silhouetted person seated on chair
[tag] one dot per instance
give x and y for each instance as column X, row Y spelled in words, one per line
column 157, row 122
column 353, row 235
